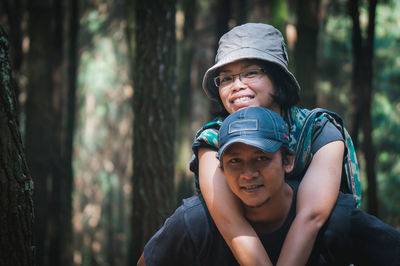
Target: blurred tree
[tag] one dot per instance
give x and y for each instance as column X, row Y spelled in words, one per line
column 67, row 186
column 186, row 39
column 46, row 132
column 362, row 94
column 39, row 152
column 154, row 104
column 185, row 57
column 14, row 11
column 223, row 13
column 305, row 53
column 16, row 186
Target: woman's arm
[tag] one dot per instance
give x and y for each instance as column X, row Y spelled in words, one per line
column 227, row 214
column 316, row 197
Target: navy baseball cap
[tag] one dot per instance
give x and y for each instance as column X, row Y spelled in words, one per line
column 254, row 126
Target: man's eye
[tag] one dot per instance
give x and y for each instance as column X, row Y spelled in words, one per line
column 234, row 160
column 263, row 158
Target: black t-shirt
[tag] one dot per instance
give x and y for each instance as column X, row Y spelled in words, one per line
column 350, row 236
column 190, row 237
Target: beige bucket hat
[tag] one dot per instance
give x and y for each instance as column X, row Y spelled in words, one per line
column 249, row 41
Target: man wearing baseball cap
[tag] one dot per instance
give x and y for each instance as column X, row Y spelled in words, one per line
column 255, row 158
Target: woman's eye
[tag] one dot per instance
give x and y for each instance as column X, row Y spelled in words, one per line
column 251, row 73
column 226, row 78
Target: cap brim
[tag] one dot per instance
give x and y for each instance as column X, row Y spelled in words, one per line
column 267, row 145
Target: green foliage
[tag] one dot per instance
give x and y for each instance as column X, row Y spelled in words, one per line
column 335, row 62
column 386, row 109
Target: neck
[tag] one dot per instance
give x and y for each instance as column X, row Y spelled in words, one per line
column 271, row 215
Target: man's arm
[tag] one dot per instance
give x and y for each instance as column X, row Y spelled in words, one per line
column 141, row 261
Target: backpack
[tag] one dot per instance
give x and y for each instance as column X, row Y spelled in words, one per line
column 302, row 123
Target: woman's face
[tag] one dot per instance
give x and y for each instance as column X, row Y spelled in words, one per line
column 256, row 92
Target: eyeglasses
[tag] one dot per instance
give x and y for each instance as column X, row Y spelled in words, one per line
column 245, row 76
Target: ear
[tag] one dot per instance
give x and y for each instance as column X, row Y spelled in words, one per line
column 221, row 166
column 288, row 163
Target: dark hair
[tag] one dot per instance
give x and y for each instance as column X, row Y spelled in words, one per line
column 286, row 94
column 286, row 151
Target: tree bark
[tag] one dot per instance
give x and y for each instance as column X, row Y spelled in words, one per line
column 305, row 53
column 186, row 53
column 46, row 134
column 154, row 120
column 222, row 11
column 368, row 147
column 15, row 11
column 73, row 62
column 356, row 81
column 39, row 121
column 16, row 185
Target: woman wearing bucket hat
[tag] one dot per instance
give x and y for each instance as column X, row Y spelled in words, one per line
column 251, row 69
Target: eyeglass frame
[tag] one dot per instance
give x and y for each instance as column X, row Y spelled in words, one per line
column 238, row 74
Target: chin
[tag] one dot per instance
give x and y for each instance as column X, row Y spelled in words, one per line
column 256, row 204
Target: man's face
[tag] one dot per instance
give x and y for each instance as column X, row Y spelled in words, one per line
column 253, row 175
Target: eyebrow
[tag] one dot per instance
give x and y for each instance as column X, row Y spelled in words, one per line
column 241, row 69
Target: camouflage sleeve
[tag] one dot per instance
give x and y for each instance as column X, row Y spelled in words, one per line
column 206, row 137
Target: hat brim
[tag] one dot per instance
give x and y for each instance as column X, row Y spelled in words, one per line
column 243, row 53
column 267, row 145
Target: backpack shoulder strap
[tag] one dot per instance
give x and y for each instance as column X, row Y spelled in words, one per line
column 303, row 147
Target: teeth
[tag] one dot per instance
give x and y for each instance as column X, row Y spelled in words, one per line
column 252, row 186
column 241, row 99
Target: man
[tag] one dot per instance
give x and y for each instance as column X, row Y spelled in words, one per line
column 255, row 158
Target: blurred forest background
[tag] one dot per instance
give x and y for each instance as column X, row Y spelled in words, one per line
column 108, row 100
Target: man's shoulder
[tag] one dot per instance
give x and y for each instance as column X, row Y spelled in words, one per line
column 196, row 216
column 183, row 236
column 194, row 206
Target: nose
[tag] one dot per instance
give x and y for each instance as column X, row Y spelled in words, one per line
column 237, row 83
column 249, row 172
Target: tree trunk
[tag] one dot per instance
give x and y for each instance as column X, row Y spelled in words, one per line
column 362, row 95
column 57, row 207
column 46, row 135
column 16, row 185
column 39, row 121
column 74, row 16
column 222, row 15
column 357, row 77
column 368, row 146
column 15, row 11
column 186, row 53
column 154, row 120
column 305, row 54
